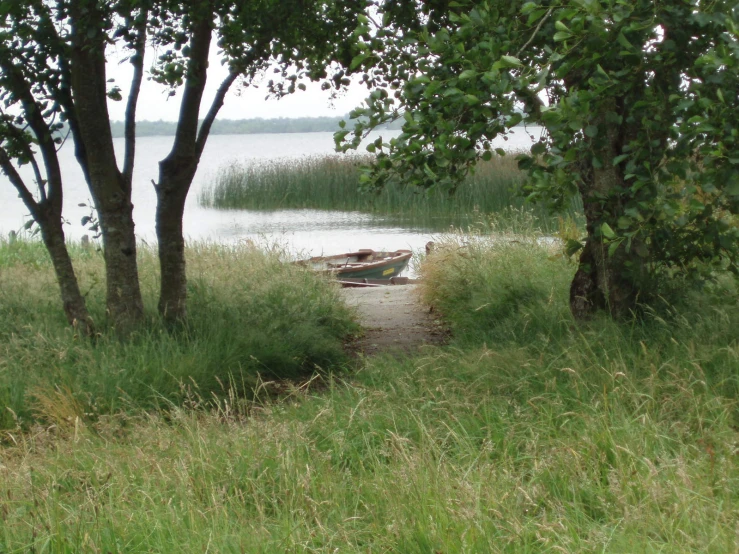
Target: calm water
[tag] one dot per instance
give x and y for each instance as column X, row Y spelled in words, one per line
column 304, row 231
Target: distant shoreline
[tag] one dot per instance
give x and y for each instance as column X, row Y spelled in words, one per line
column 244, row 126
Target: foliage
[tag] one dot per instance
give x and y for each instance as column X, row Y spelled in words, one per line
column 639, row 101
column 252, row 317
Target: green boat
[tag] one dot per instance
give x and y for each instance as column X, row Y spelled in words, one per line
column 364, row 264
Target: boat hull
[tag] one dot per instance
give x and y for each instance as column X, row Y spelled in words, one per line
column 364, row 264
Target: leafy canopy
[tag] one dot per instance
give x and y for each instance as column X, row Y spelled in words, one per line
column 648, row 89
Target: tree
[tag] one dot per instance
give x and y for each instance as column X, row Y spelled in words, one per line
column 251, row 35
column 53, row 57
column 53, row 64
column 638, row 99
column 87, row 28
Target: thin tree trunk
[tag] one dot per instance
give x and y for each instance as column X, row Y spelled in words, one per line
column 602, row 281
column 171, row 198
column 48, row 215
column 177, row 170
column 75, row 308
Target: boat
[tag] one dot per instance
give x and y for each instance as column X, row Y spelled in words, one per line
column 363, row 264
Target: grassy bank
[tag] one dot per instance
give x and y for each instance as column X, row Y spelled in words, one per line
column 330, row 183
column 528, row 433
column 250, row 316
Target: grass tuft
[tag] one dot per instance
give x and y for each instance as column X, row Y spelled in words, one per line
column 250, row 314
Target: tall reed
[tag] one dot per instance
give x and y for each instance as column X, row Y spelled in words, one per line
column 331, row 183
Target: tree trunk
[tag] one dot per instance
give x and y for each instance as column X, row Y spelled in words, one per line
column 177, row 170
column 171, row 196
column 123, row 292
column 604, row 281
column 75, row 308
column 110, row 190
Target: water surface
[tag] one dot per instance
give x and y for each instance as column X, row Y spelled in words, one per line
column 309, row 232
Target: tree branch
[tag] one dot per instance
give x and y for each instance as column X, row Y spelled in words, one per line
column 137, row 61
column 21, row 141
column 197, row 67
column 33, row 112
column 64, row 97
column 17, row 181
column 213, row 111
column 536, row 31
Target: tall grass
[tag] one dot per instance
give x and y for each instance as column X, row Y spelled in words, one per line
column 529, row 433
column 249, row 316
column 331, row 183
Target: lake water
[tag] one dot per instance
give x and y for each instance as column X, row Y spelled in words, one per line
column 303, row 232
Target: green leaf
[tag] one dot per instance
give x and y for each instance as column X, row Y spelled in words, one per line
column 623, row 41
column 618, row 159
column 429, row 173
column 561, row 27
column 538, row 148
column 641, row 250
column 467, row 74
column 606, row 231
column 561, row 36
column 511, row 61
column 591, row 131
column 357, row 61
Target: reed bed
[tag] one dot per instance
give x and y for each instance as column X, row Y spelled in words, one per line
column 331, row 183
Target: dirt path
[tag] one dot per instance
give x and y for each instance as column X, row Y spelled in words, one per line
column 393, row 319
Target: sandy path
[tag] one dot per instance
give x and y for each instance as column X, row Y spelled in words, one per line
column 393, row 319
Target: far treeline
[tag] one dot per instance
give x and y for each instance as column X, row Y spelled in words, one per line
column 243, row 126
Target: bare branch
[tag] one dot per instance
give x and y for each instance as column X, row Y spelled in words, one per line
column 536, row 31
column 137, row 61
column 213, row 111
column 17, row 181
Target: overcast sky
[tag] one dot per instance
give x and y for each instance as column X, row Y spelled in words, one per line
column 241, row 103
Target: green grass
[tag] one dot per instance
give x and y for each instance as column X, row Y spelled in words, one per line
column 250, row 315
column 331, row 183
column 528, row 433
